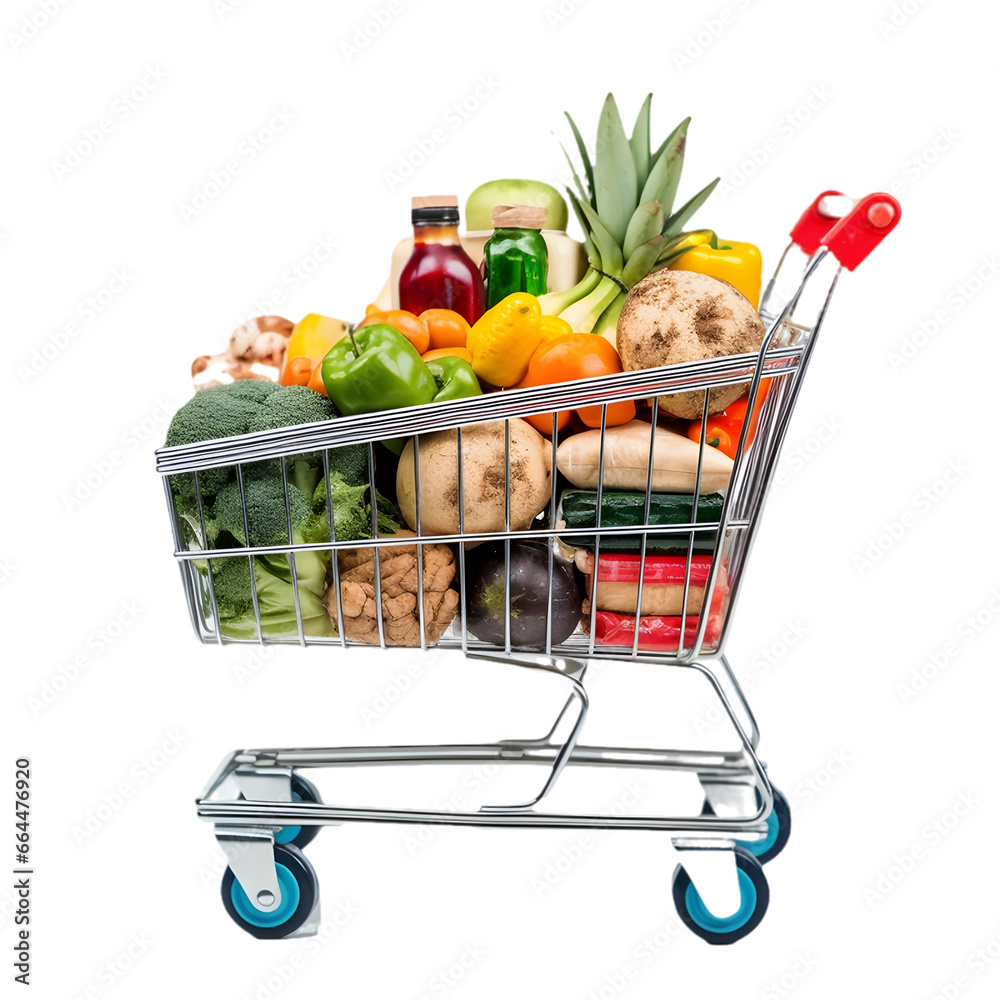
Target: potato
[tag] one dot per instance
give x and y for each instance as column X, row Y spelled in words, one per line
column 672, row 317
column 483, row 475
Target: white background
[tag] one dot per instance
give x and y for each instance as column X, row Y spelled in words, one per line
column 903, row 98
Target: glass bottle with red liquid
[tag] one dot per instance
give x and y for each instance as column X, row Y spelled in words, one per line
column 439, row 273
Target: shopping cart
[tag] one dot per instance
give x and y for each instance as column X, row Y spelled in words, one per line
column 265, row 810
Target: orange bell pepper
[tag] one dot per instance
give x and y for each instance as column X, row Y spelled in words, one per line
column 723, row 430
column 447, row 328
column 297, row 371
column 310, row 340
column 569, row 357
column 410, row 326
column 316, row 382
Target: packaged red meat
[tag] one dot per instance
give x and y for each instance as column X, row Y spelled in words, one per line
column 657, row 633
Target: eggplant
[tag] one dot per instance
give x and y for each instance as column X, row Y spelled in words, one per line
column 529, row 595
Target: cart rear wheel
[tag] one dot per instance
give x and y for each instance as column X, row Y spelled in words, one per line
column 779, row 829
column 299, row 836
column 299, row 891
column 754, row 897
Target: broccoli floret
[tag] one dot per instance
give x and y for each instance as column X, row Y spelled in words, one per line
column 231, row 578
column 293, row 404
column 352, row 512
column 266, row 512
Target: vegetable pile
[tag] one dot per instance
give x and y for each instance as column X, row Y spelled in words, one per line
column 639, row 292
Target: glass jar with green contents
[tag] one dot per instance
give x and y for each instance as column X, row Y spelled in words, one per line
column 515, row 258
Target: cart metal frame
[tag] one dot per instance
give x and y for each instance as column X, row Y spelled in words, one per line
column 249, row 798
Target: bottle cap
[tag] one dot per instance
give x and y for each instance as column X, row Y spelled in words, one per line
column 434, row 209
column 519, row 217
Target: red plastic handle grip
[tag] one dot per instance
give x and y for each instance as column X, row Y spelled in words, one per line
column 813, row 225
column 854, row 237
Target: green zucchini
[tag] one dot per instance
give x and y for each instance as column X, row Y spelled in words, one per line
column 578, row 509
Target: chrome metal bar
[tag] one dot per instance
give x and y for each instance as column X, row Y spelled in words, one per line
column 208, row 560
column 291, row 554
column 375, row 553
column 421, row 624
column 334, row 556
column 250, row 558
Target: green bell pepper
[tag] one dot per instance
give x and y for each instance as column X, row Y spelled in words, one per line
column 454, row 378
column 377, row 368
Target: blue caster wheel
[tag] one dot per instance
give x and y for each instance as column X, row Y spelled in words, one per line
column 754, row 897
column 779, row 829
column 299, row 891
column 299, row 836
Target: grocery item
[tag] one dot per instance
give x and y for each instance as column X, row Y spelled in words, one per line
column 439, row 273
column 578, row 509
column 311, row 338
column 626, row 460
column 481, row 203
column 728, row 260
column 724, row 429
column 454, row 378
column 483, row 462
column 414, row 328
column 662, row 582
column 657, row 633
column 256, row 350
column 449, row 352
column 626, row 211
column 504, row 339
column 260, row 511
column 532, row 611
column 400, row 586
column 569, row 357
column 445, row 327
column 672, row 317
column 515, row 258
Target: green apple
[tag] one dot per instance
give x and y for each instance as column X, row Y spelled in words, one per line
column 479, row 207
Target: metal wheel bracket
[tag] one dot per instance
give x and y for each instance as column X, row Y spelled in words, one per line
column 711, row 866
column 250, row 854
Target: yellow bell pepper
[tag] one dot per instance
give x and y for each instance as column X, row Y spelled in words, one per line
column 737, row 263
column 504, row 338
column 311, row 339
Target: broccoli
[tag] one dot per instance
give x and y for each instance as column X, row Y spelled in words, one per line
column 245, row 407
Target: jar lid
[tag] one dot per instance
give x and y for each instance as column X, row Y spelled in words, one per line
column 434, row 208
column 519, row 216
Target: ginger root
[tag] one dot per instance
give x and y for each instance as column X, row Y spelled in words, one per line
column 399, row 579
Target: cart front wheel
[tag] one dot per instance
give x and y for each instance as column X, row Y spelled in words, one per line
column 299, row 836
column 299, row 891
column 779, row 829
column 754, row 897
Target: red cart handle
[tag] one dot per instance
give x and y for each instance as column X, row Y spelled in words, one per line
column 854, row 237
column 814, row 224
